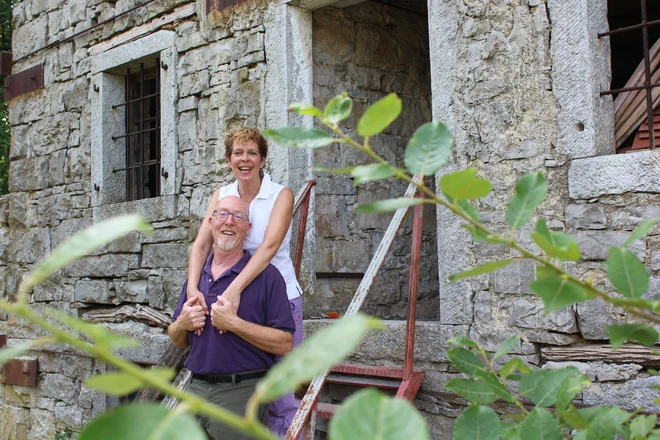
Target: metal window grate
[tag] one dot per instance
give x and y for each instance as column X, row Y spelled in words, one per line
column 142, row 135
column 647, row 84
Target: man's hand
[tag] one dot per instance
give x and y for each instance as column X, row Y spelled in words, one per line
column 192, row 316
column 223, row 315
column 192, row 292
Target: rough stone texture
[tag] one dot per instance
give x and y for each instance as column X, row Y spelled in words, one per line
column 584, row 216
column 599, row 371
column 614, row 174
column 369, row 50
column 633, row 394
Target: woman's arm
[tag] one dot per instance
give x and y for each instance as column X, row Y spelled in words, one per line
column 200, row 251
column 278, row 225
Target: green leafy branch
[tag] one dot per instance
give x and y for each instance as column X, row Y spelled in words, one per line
column 138, row 421
column 427, row 152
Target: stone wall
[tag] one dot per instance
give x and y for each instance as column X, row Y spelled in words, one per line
column 220, row 79
column 369, row 50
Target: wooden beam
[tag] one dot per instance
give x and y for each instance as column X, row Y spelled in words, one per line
column 627, row 354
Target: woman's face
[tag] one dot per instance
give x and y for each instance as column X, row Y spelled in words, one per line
column 245, row 160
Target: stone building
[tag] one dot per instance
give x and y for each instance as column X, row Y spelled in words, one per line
column 519, row 83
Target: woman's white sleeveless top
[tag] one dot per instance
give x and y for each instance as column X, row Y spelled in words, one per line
column 260, row 210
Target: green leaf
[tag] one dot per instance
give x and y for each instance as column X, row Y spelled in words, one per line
column 370, row 414
column 305, row 109
column 477, row 423
column 641, row 426
column 14, row 351
column 85, row 242
column 494, row 383
column 347, row 170
column 542, row 386
column 463, row 341
column 388, row 205
column 642, row 230
column 429, row 149
column 376, row 171
column 465, row 185
column 143, row 421
column 472, row 391
column 320, row 352
column 506, row 346
column 622, row 333
column 513, row 364
column 574, row 418
column 338, row 109
column 298, row 137
column 540, row 425
column 545, row 272
column 469, row 209
column 530, row 192
column 557, row 292
column 511, row 431
column 479, row 270
column 626, row 273
column 555, row 244
column 115, row 384
column 569, row 389
column 605, row 423
column 98, row 333
column 379, row 115
column 466, row 361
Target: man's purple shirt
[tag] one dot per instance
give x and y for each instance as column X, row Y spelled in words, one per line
column 264, row 302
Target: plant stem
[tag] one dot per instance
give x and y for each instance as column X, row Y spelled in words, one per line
column 196, row 404
column 511, row 243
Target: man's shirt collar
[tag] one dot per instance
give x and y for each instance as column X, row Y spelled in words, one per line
column 237, row 268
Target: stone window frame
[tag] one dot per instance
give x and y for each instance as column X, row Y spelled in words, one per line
column 107, row 90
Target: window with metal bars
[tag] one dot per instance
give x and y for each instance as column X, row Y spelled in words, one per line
column 635, row 62
column 142, row 133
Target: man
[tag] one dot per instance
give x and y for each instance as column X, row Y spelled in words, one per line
column 234, row 349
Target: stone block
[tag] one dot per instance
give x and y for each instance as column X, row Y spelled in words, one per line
column 552, row 338
column 14, row 422
column 456, row 306
column 93, row 291
column 42, row 424
column 490, row 338
column 69, row 415
column 615, row 174
column 110, row 265
column 28, row 174
column 165, row 255
column 60, row 387
column 351, row 255
column 154, row 342
column 514, row 278
column 332, row 215
column 188, row 129
column 530, row 313
column 132, row 291
column 594, row 315
column 28, row 246
column 630, row 395
column 585, row 216
column 594, row 244
column 630, row 217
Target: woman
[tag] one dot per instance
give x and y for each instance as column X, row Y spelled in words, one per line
column 271, row 210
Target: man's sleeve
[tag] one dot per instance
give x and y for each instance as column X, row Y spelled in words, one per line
column 182, row 300
column 278, row 311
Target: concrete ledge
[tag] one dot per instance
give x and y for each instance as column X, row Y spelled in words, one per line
column 389, row 345
column 153, row 210
column 614, row 174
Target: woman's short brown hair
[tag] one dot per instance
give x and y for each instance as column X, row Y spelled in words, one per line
column 243, row 135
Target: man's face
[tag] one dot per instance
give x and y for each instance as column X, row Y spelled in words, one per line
column 229, row 223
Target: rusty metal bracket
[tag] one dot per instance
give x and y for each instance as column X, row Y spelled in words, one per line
column 20, row 372
column 25, row 81
column 5, row 63
column 3, row 341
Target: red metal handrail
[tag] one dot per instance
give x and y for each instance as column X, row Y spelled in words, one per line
column 302, row 205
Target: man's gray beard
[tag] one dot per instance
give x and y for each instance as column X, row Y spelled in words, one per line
column 227, row 243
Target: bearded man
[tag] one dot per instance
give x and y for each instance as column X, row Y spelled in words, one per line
column 235, row 348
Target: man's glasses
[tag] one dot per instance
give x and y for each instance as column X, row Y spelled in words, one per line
column 239, row 217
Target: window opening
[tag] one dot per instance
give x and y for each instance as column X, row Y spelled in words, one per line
column 142, row 133
column 635, row 63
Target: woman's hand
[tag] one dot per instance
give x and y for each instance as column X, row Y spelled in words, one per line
column 192, row 292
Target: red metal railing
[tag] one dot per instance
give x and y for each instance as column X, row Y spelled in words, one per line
column 305, row 418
